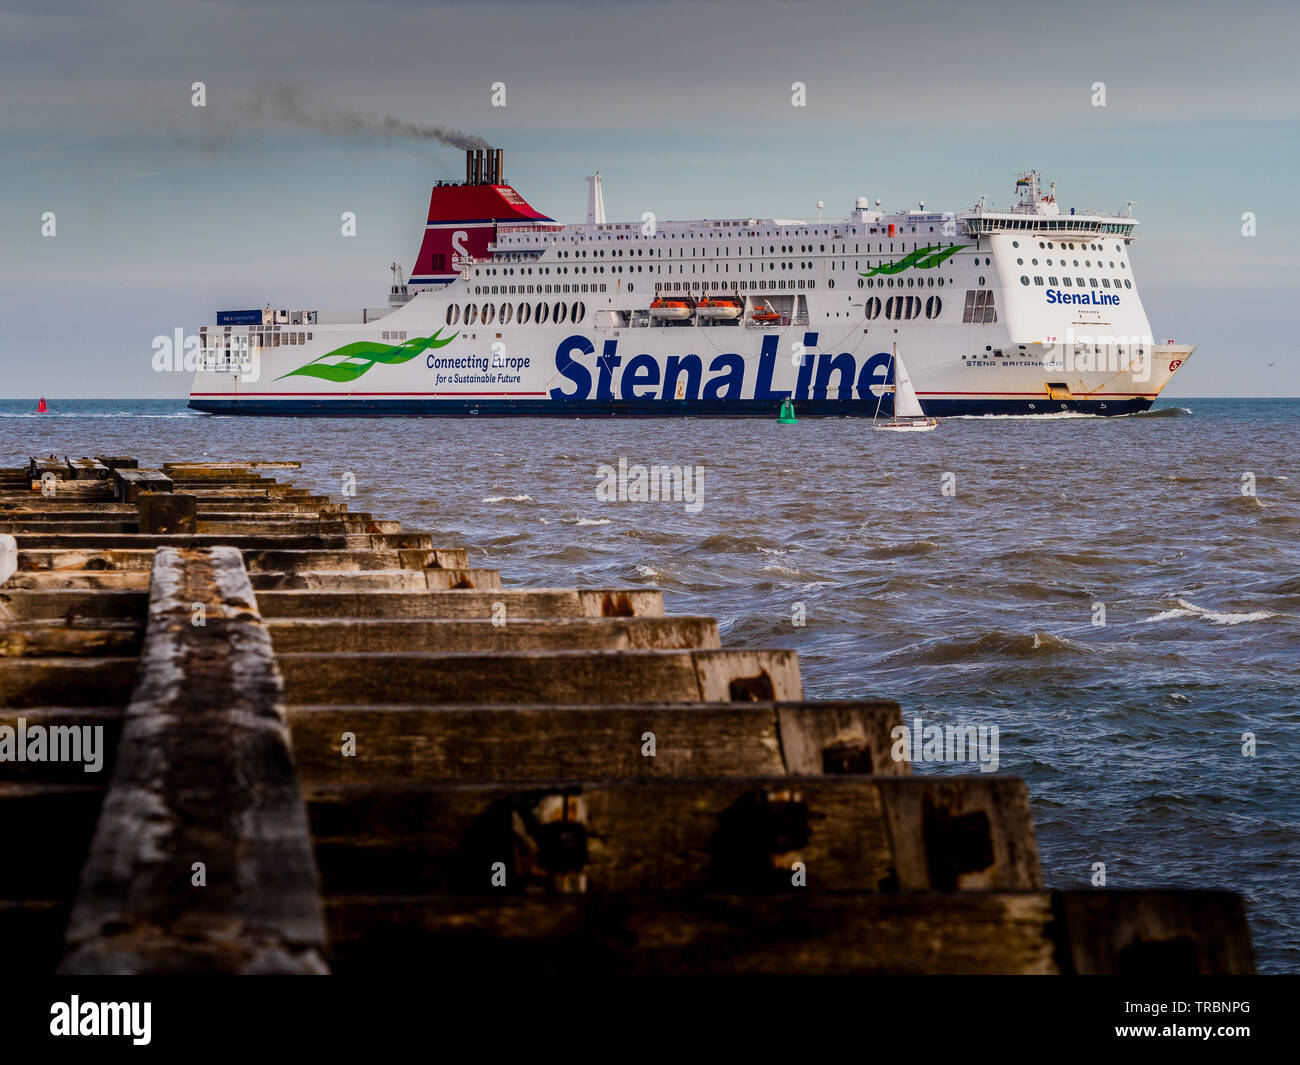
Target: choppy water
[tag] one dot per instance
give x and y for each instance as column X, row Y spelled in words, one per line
column 973, row 608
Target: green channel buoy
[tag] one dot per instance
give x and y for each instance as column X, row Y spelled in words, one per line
column 786, row 417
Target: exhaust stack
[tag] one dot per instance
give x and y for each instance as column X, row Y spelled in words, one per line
column 483, row 166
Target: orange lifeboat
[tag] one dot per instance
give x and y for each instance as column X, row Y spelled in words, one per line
column 673, row 310
column 718, row 310
column 763, row 313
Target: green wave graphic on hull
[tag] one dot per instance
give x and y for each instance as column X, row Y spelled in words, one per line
column 926, row 258
column 349, row 362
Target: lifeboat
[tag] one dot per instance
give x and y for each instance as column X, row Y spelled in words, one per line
column 675, row 310
column 725, row 309
column 764, row 313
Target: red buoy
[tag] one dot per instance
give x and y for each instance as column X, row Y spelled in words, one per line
column 40, row 407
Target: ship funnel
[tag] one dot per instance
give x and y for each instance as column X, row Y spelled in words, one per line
column 483, row 166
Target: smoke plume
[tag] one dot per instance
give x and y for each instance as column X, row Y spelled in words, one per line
column 284, row 103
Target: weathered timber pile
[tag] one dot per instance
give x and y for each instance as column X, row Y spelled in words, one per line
column 326, row 744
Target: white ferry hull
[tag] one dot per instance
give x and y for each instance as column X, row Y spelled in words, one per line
column 1025, row 312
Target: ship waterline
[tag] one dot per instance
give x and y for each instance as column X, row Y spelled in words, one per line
column 1025, row 311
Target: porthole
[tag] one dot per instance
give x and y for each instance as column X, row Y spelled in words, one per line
column 453, row 314
column 489, row 313
column 1127, row 283
column 861, row 282
column 933, row 306
column 577, row 312
column 524, row 312
column 872, row 307
column 471, row 314
column 1024, row 279
column 559, row 313
column 1015, row 243
column 1020, row 262
column 981, row 282
column 543, row 312
column 507, row 312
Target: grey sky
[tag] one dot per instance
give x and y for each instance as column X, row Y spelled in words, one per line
column 166, row 212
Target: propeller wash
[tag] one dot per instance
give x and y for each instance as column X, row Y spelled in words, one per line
column 1027, row 310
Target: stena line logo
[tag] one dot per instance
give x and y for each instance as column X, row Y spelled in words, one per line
column 1099, row 299
column 724, row 376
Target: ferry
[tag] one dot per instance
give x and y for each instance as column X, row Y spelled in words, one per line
column 1028, row 310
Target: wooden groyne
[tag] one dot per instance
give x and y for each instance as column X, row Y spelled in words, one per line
column 295, row 738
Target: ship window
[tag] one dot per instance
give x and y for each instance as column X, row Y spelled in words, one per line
column 861, row 282
column 1068, row 282
column 872, row 307
column 1024, row 279
column 1020, row 262
column 933, row 306
column 525, row 311
column 1015, row 243
column 1081, row 282
column 559, row 313
column 543, row 312
column 981, row 282
column 1128, row 284
column 471, row 314
column 507, row 312
column 579, row 311
column 1105, row 282
column 489, row 313
column 1037, row 280
column 1093, row 280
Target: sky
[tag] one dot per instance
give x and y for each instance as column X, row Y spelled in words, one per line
column 164, row 212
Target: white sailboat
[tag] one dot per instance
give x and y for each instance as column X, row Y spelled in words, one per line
column 908, row 415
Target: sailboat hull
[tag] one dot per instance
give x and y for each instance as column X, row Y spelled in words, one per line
column 920, row 426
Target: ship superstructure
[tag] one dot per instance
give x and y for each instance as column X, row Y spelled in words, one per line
column 1028, row 310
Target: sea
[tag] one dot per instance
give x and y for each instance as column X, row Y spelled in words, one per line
column 1120, row 597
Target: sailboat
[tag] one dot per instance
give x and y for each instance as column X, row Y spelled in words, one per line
column 40, row 407
column 908, row 415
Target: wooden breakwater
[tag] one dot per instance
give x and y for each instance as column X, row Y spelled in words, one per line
column 330, row 744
